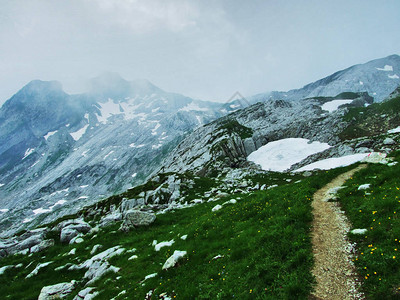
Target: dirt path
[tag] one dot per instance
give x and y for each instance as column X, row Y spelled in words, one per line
column 334, row 270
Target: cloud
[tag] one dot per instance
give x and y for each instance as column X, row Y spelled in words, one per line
column 144, row 16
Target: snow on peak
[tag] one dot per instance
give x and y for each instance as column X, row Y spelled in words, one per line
column 334, row 104
column 386, row 68
column 282, row 154
column 79, row 133
column 49, row 134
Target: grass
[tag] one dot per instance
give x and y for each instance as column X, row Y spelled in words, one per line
column 263, row 241
column 376, row 209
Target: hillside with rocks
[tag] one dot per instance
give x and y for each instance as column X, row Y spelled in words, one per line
column 226, row 210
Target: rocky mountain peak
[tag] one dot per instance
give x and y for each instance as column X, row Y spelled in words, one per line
column 112, row 85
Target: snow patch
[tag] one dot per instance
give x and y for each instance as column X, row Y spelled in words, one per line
column 28, row 152
column 2, row 184
column 111, row 152
column 79, row 133
column 395, row 76
column 27, row 220
column 334, row 105
column 134, row 175
column 59, row 202
column 41, row 210
column 107, row 110
column 4, row 210
column 154, row 130
column 361, row 83
column 282, row 154
column 335, row 162
column 386, row 68
column 49, row 134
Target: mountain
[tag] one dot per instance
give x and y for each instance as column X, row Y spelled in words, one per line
column 61, row 151
column 378, row 78
column 216, row 225
column 227, row 211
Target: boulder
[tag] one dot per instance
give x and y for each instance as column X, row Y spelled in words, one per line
column 97, row 269
column 56, row 291
column 173, row 259
column 73, row 228
column 30, row 242
column 110, row 219
column 389, row 141
column 133, row 218
column 67, row 234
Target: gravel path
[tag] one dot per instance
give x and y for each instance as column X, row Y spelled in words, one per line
column 334, row 270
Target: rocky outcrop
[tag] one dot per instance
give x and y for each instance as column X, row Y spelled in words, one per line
column 56, row 291
column 134, row 218
column 72, row 228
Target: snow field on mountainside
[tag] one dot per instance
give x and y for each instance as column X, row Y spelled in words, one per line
column 334, row 105
column 282, row 154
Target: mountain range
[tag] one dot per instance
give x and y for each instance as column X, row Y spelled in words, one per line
column 60, row 152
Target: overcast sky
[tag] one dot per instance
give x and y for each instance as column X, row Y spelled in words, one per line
column 203, row 49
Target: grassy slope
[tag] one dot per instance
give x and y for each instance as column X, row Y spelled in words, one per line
column 263, row 238
column 376, row 209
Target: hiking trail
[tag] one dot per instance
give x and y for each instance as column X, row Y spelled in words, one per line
column 334, row 270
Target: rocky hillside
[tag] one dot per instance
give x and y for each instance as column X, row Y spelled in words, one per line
column 64, row 151
column 227, row 142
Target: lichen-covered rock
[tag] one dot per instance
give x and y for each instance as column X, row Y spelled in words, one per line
column 56, row 291
column 133, row 218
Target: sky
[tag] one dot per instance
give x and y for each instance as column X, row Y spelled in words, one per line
column 203, row 49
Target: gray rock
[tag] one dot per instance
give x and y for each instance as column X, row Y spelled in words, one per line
column 30, row 242
column 389, row 141
column 67, row 234
column 42, row 246
column 173, row 259
column 86, row 294
column 110, row 219
column 133, row 218
column 128, row 204
column 73, row 228
column 97, row 269
column 56, row 291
